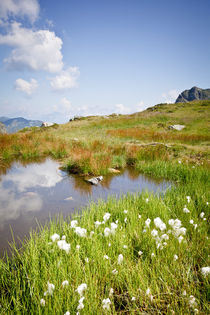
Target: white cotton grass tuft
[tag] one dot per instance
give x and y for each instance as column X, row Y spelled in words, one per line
column 175, row 257
column 106, row 216
column 154, row 233
column 55, row 237
column 147, row 222
column 185, row 210
column 125, row 211
column 65, row 283
column 50, row 289
column 42, row 302
column 106, row 257
column 67, row 313
column 77, row 247
column 106, row 304
column 113, row 227
column 81, row 305
column 62, row 244
column 192, row 301
column 205, row 271
column 191, row 222
column 81, row 289
column 133, row 298
column 140, row 253
column 107, row 232
column 80, row 231
column 63, row 237
column 73, row 223
column 97, row 224
column 115, row 272
column 159, row 224
column 148, row 293
column 120, row 259
column 188, row 199
column 202, row 215
column 111, row 292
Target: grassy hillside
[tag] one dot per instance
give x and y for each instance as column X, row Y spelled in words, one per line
column 142, row 254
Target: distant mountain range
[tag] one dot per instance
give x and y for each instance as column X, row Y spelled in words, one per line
column 193, row 94
column 15, row 124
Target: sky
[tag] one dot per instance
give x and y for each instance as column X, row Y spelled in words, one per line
column 60, row 59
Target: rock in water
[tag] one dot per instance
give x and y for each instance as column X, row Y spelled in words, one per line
column 194, row 93
column 95, row 180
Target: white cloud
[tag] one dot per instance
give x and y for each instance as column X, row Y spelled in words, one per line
column 122, row 109
column 27, row 87
column 66, row 79
column 65, row 107
column 34, row 50
column 170, row 96
column 140, row 106
column 19, row 8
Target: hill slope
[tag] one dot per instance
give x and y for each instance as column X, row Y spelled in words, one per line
column 15, row 124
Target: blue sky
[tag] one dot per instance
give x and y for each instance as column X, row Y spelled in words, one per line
column 64, row 58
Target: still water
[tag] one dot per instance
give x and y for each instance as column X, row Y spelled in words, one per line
column 38, row 191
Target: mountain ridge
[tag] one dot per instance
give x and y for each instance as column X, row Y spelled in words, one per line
column 195, row 93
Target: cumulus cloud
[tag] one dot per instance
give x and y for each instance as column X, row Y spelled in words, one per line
column 34, row 50
column 19, row 8
column 122, row 109
column 27, row 87
column 66, row 79
column 170, row 96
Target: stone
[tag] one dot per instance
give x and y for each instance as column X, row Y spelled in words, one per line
column 93, row 181
column 113, row 170
column 176, row 127
column 46, row 124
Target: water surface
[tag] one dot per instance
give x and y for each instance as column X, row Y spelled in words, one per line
column 39, row 191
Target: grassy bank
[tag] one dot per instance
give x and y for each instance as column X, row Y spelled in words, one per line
column 141, row 266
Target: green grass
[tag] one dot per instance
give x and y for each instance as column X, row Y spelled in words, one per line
column 24, row 277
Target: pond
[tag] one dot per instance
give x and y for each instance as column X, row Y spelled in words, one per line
column 35, row 192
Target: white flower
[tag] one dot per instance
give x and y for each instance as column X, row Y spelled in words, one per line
column 116, row 221
column 152, row 255
column 74, row 223
column 140, row 253
column 92, row 233
column 106, row 257
column 125, row 220
column 50, row 288
column 87, row 260
column 148, row 291
column 106, row 216
column 207, row 203
column 188, row 199
column 205, row 271
column 55, row 237
column 195, row 226
column 81, row 305
column 164, row 237
column 184, row 293
column 81, row 288
column 147, row 199
column 195, row 310
column 180, row 238
column 175, row 257
column 202, row 215
column 185, row 210
column 106, row 304
column 159, row 224
column 109, row 244
column 120, row 259
column 97, row 224
column 191, row 221
column 113, row 227
column 125, row 246
column 107, row 231
column 133, row 298
column 154, row 233
column 64, row 246
column 78, row 247
column 65, row 283
column 180, row 162
column 111, row 291
column 125, row 211
column 80, row 231
column 147, row 222
column 115, row 272
column 139, row 216
column 63, row 237
column 42, row 302
column 67, row 313
column 192, row 301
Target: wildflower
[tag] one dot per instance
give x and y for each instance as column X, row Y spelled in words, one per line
column 78, row 247
column 202, row 215
column 115, row 272
column 81, row 288
column 175, row 257
column 159, row 224
column 196, row 310
column 147, row 200
column 65, row 283
column 205, row 271
column 140, row 253
column 50, row 288
column 74, row 223
column 192, row 301
column 113, row 227
column 125, row 211
column 188, row 199
column 164, row 237
column 63, row 237
column 106, row 216
column 154, row 233
column 120, row 259
column 55, row 237
column 180, row 238
column 111, row 291
column 106, row 304
column 207, row 203
column 107, row 231
column 152, row 255
column 147, row 222
column 106, row 257
column 63, row 245
column 184, row 293
column 109, row 244
column 133, row 298
column 92, row 233
column 191, row 221
column 116, row 221
column 87, row 260
column 97, row 224
column 81, row 305
column 180, row 162
column 125, row 246
column 148, row 292
column 80, row 231
column 195, row 226
column 67, row 313
column 139, row 216
column 42, row 302
column 125, row 220
column 185, row 210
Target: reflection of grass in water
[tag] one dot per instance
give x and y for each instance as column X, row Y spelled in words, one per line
column 23, row 278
